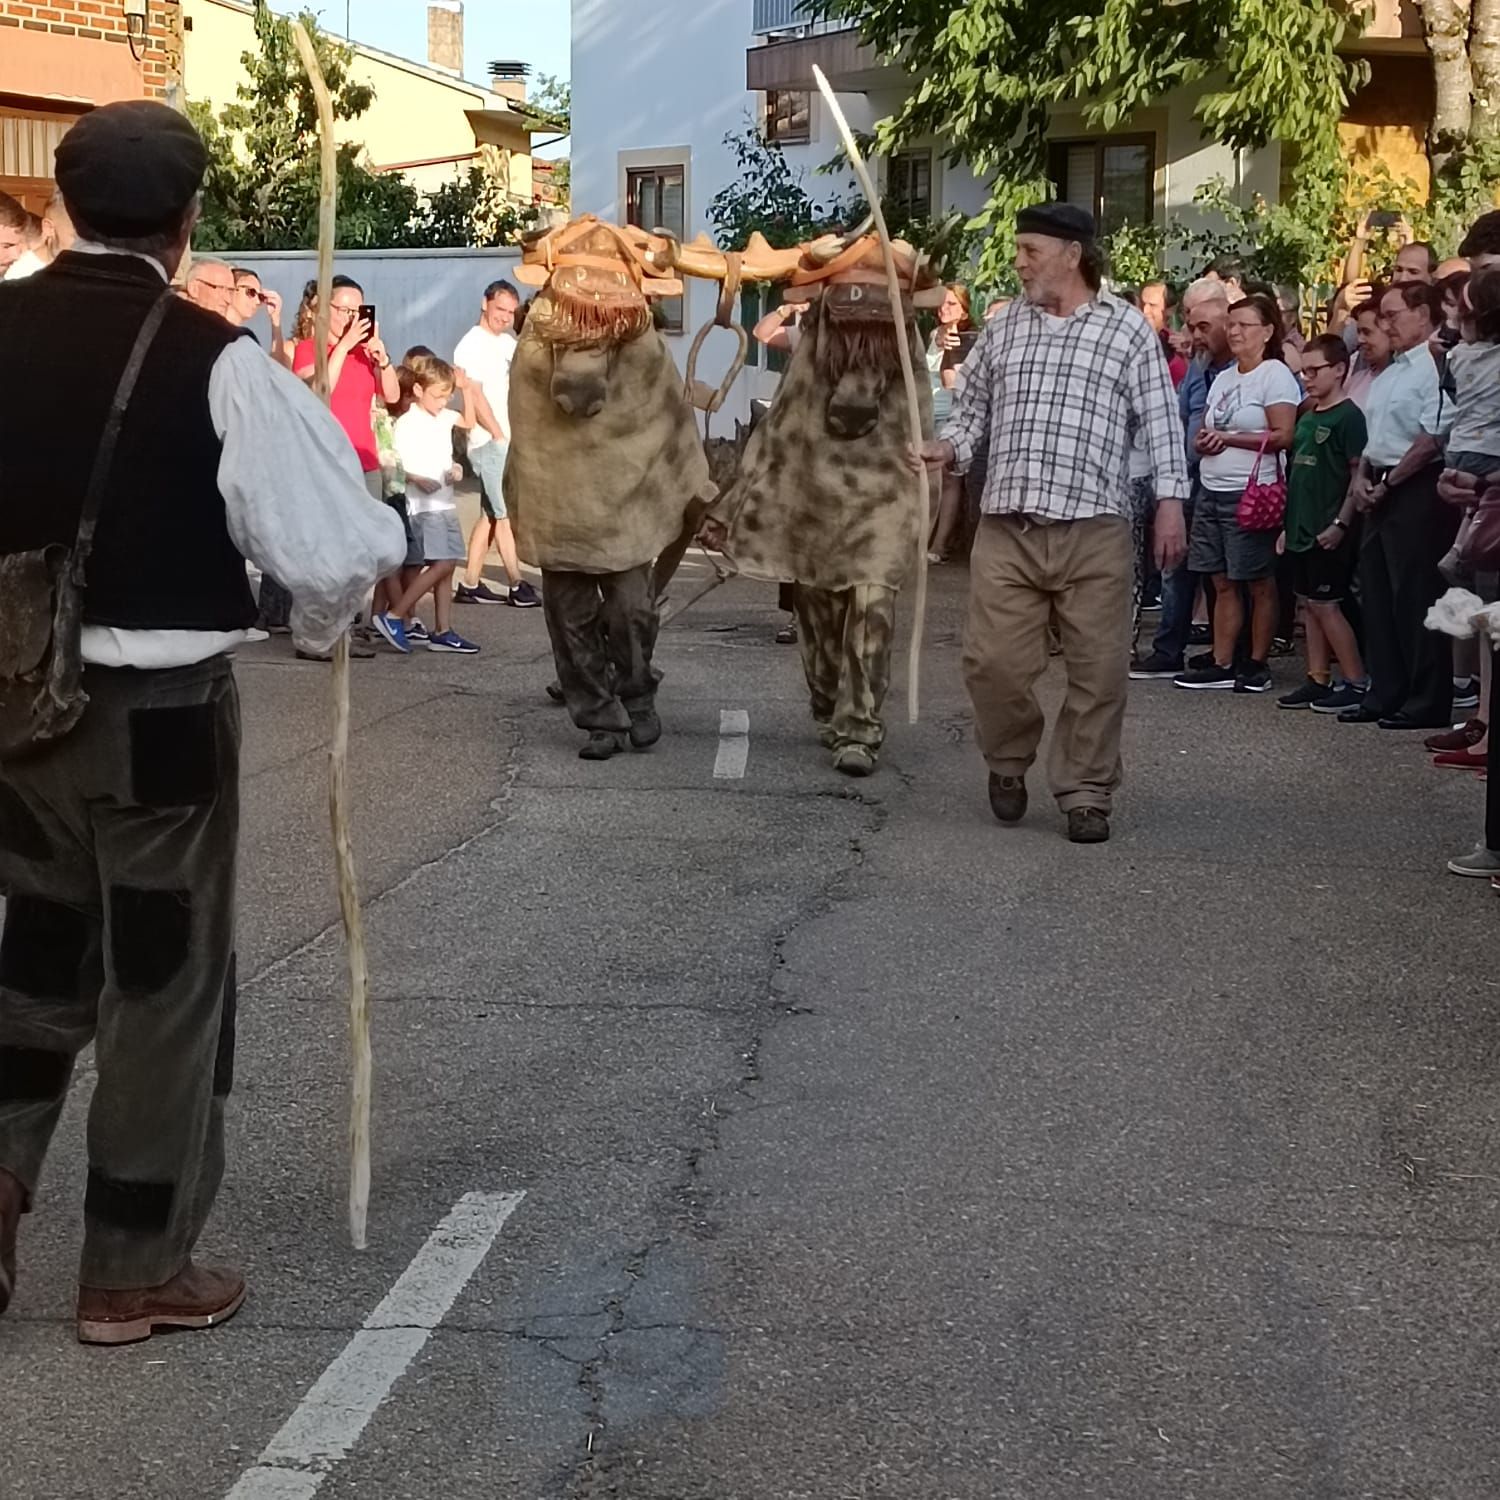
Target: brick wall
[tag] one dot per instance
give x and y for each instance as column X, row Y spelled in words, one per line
column 104, row 21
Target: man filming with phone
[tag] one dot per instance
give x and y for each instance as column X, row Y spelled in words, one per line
column 359, row 369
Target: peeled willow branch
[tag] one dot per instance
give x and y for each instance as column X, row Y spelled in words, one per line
column 338, row 754
column 908, row 377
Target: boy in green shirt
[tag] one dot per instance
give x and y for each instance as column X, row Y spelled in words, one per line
column 1326, row 449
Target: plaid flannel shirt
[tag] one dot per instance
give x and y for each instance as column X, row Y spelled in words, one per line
column 1058, row 408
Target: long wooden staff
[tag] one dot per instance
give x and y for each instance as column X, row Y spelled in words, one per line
column 338, row 754
column 908, row 377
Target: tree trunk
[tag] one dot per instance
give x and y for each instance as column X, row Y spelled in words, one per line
column 1446, row 23
column 1484, row 57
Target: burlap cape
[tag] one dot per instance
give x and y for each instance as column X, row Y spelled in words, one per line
column 828, row 512
column 605, row 493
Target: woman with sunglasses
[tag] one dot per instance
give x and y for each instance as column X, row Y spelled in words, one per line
column 248, row 298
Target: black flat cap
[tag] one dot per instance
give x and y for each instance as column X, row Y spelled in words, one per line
column 130, row 169
column 1061, row 220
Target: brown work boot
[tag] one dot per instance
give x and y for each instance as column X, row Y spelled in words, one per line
column 196, row 1297
column 12, row 1204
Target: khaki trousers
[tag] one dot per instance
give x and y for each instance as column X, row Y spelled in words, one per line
column 1078, row 575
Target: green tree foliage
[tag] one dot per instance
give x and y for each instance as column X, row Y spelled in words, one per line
column 261, row 188
column 987, row 74
column 768, row 196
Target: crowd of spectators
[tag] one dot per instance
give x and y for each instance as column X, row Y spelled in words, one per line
column 412, row 425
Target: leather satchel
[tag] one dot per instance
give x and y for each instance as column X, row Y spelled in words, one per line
column 41, row 598
column 1263, row 505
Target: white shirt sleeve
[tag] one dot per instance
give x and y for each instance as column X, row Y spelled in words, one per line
column 1280, row 388
column 294, row 496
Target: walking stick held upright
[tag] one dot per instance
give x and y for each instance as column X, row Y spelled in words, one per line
column 338, row 755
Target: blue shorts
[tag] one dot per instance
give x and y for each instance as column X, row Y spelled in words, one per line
column 488, row 464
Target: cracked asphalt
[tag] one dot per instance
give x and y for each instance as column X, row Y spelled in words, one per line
column 869, row 1149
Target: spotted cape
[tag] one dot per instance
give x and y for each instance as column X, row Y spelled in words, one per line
column 606, row 493
column 812, row 508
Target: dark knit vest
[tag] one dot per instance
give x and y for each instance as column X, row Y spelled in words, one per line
column 162, row 557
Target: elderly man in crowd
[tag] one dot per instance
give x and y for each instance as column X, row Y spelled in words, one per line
column 119, row 853
column 1059, row 383
column 1205, row 312
column 210, row 283
column 1407, row 528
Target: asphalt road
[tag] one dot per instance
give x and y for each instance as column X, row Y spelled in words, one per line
column 868, row 1149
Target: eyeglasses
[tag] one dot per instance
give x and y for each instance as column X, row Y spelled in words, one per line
column 216, row 286
column 254, row 293
column 1314, row 369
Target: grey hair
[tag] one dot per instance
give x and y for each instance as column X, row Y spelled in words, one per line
column 157, row 243
column 1091, row 263
column 1206, row 288
column 202, row 263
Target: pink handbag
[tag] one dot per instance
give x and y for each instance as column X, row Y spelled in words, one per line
column 1263, row 506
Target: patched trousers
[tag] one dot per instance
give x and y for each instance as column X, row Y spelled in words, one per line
column 603, row 631
column 1078, row 575
column 117, row 860
column 846, row 636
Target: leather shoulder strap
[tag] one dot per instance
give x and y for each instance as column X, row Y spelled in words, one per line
column 105, row 455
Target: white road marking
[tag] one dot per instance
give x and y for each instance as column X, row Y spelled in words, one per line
column 331, row 1416
column 734, row 744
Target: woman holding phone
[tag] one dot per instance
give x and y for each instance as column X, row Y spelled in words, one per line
column 946, row 350
column 359, row 370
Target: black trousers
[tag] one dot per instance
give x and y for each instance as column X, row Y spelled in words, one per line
column 1411, row 667
column 603, row 630
column 117, row 852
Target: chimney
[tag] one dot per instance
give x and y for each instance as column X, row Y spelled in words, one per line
column 445, row 35
column 508, row 79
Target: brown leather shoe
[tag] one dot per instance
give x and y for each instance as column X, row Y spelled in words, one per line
column 12, row 1204
column 196, row 1297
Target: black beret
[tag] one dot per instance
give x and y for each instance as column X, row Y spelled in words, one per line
column 1062, row 221
column 130, row 169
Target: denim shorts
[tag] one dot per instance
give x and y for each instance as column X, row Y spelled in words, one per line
column 488, row 464
column 1219, row 547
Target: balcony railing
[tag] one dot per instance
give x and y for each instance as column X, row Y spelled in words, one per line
column 779, row 15
column 773, row 17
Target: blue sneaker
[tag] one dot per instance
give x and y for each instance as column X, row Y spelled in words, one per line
column 523, row 596
column 393, row 632
column 451, row 640
column 416, row 633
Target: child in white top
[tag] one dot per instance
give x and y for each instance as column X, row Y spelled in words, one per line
column 424, row 443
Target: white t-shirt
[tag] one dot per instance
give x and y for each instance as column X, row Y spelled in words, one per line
column 424, row 444
column 1237, row 403
column 486, row 357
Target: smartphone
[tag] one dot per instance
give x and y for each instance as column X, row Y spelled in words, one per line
column 1387, row 218
column 966, row 342
column 367, row 312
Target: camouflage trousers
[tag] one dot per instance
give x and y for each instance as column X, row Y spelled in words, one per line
column 846, row 637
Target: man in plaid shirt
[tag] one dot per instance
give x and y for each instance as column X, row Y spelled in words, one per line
column 1060, row 383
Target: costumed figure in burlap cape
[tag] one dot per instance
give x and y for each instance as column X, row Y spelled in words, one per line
column 823, row 499
column 605, row 465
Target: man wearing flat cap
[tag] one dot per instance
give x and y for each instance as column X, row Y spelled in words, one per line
column 118, row 836
column 1060, row 384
